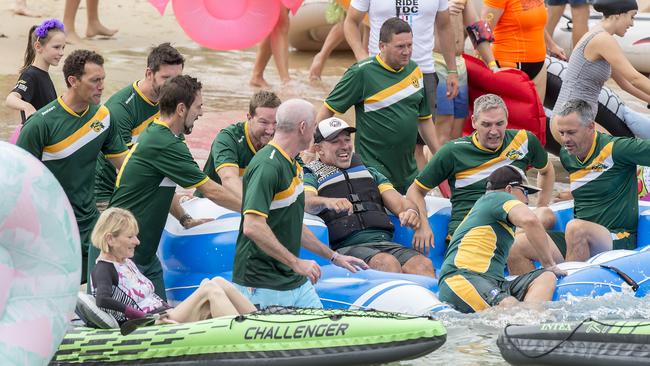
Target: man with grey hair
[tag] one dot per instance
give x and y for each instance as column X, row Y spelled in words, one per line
column 602, row 174
column 466, row 163
column 267, row 269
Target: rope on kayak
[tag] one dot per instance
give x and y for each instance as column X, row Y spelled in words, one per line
column 566, row 339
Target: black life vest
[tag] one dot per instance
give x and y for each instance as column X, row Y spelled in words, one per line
column 357, row 185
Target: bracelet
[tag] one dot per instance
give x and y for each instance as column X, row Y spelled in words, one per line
column 334, row 256
column 184, row 219
column 452, row 72
column 492, row 64
column 414, row 210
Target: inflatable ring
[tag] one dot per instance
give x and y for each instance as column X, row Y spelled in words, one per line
column 309, row 28
column 14, row 135
column 227, row 25
column 40, row 259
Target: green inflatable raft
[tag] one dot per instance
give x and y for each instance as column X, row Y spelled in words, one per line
column 589, row 343
column 273, row 337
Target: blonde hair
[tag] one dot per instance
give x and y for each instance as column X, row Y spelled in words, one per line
column 112, row 221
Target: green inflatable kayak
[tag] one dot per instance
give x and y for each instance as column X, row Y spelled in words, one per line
column 273, row 337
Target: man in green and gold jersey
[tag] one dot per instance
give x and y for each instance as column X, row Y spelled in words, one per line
column 466, row 163
column 234, row 147
column 602, row 174
column 158, row 162
column 388, row 94
column 472, row 274
column 267, row 268
column 68, row 133
column 133, row 108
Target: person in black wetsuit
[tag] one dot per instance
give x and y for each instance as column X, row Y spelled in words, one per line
column 125, row 293
column 34, row 89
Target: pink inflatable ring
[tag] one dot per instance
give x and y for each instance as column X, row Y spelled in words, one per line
column 40, row 259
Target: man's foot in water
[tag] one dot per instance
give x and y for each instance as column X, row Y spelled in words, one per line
column 22, row 9
column 259, row 82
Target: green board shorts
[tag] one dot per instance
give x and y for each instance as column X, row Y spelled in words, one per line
column 558, row 238
column 366, row 251
column 469, row 292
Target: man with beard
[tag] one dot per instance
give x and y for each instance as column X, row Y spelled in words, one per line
column 234, row 147
column 67, row 135
column 133, row 108
column 157, row 162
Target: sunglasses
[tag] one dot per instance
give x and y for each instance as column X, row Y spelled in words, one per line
column 523, row 190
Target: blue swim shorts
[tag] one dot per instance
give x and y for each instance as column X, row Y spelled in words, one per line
column 304, row 296
column 457, row 106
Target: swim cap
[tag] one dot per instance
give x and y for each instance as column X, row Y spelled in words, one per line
column 614, row 7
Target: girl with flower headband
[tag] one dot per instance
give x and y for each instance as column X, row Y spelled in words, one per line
column 34, row 89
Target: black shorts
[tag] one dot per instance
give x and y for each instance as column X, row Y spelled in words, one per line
column 366, row 251
column 530, row 68
column 559, row 240
column 430, row 90
column 469, row 292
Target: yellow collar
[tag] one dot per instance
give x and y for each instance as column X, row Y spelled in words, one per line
column 481, row 147
column 591, row 150
column 385, row 65
column 286, row 156
column 248, row 139
column 69, row 110
column 141, row 94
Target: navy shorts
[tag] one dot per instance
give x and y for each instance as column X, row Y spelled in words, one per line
column 564, row 2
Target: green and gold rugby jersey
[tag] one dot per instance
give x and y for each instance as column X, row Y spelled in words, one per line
column 145, row 185
column 466, row 164
column 232, row 147
column 482, row 241
column 273, row 188
column 388, row 106
column 68, row 144
column 131, row 111
column 604, row 185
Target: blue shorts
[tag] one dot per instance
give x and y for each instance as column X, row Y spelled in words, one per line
column 564, row 2
column 304, row 296
column 457, row 106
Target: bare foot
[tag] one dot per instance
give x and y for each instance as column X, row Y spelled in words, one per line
column 259, row 82
column 316, row 68
column 21, row 9
column 71, row 37
column 98, row 29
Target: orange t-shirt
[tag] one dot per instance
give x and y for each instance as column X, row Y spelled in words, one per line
column 519, row 34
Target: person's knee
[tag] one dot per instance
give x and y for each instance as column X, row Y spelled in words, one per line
column 508, row 301
column 210, row 288
column 546, row 216
column 221, row 282
column 385, row 261
column 547, row 280
column 574, row 229
column 419, row 264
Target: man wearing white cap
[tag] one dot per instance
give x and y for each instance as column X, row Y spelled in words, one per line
column 351, row 198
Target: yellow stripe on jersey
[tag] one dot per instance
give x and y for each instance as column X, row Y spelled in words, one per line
column 123, row 153
column 466, row 292
column 255, row 212
column 69, row 110
column 422, row 185
column 248, row 139
column 508, row 205
column 141, row 94
column 506, row 157
column 385, row 187
column 311, row 189
column 139, row 128
column 396, row 92
column 596, row 165
column 295, row 182
column 90, row 127
column 126, row 161
column 476, row 249
column 202, row 182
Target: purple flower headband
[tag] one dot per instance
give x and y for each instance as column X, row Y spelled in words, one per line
column 42, row 30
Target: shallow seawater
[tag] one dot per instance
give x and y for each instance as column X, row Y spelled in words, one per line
column 471, row 338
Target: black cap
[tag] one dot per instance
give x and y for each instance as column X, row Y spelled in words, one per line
column 509, row 175
column 613, row 7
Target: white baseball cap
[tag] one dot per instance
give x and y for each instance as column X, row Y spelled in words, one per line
column 329, row 128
